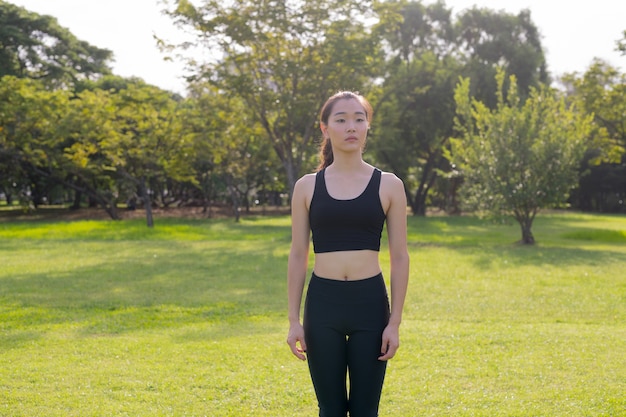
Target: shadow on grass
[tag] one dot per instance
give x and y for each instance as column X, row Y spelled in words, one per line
column 519, row 255
column 597, row 235
column 550, row 230
column 139, row 286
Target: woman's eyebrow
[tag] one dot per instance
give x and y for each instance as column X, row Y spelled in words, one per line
column 345, row 112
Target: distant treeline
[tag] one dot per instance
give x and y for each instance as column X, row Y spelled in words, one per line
column 74, row 133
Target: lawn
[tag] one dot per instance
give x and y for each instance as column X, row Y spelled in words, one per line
column 104, row 318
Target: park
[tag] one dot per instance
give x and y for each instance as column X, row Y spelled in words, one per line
column 145, row 234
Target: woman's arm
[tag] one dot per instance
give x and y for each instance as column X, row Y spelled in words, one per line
column 297, row 265
column 399, row 257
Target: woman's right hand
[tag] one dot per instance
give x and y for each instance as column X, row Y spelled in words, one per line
column 296, row 342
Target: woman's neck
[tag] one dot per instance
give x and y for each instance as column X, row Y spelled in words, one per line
column 348, row 164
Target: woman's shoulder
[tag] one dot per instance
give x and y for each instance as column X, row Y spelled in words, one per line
column 391, row 186
column 306, row 180
column 305, row 185
column 392, row 193
column 389, row 178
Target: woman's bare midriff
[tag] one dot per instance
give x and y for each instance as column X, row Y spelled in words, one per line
column 347, row 265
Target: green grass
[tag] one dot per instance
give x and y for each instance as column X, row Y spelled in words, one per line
column 103, row 318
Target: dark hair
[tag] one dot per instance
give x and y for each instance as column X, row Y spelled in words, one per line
column 326, row 150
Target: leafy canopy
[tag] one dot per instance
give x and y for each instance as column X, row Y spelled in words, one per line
column 521, row 156
column 36, row 46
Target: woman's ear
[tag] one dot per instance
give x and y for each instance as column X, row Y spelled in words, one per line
column 324, row 130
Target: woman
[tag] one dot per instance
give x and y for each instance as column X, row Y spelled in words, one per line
column 348, row 326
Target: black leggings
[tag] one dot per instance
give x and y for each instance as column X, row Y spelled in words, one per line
column 343, row 326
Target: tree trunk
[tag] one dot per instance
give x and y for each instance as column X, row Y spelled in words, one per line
column 78, row 196
column 9, row 198
column 526, row 223
column 429, row 175
column 292, row 176
column 111, row 210
column 419, row 204
column 234, row 196
column 452, row 203
column 146, row 202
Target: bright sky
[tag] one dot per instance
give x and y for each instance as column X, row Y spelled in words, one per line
column 574, row 32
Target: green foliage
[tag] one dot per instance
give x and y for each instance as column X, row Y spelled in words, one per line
column 414, row 122
column 601, row 91
column 249, row 123
column 149, row 140
column 283, row 59
column 112, row 318
column 489, row 40
column 29, row 116
column 415, row 108
column 97, row 141
column 230, row 145
column 519, row 157
column 426, row 53
column 36, row 46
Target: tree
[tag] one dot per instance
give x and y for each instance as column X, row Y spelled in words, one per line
column 229, row 146
column 28, row 119
column 123, row 141
column 601, row 91
column 521, row 156
column 150, row 144
column 414, row 123
column 46, row 139
column 35, row 46
column 425, row 54
column 416, row 105
column 84, row 134
column 490, row 40
column 283, row 59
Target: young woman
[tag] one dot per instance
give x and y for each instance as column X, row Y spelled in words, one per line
column 348, row 328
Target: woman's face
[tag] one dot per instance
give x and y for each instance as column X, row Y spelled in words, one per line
column 347, row 126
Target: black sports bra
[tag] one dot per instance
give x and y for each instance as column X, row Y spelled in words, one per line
column 342, row 225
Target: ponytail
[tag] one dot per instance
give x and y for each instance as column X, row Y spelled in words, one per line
column 326, row 154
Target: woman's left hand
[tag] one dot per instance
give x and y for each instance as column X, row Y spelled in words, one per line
column 391, row 342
